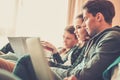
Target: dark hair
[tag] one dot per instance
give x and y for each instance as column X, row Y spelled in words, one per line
column 80, row 16
column 103, row 6
column 71, row 30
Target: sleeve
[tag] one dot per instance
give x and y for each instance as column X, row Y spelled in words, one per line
column 7, row 48
column 53, row 64
column 57, row 58
column 106, row 51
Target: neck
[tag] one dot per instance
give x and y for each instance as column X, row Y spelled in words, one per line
column 82, row 43
column 104, row 27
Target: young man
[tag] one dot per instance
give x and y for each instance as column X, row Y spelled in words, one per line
column 103, row 48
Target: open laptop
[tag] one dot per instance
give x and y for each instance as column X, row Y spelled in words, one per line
column 33, row 46
column 18, row 44
column 39, row 61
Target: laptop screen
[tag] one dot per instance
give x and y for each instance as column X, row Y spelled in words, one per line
column 18, row 44
column 38, row 59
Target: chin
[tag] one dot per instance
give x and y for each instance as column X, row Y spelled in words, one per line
column 89, row 33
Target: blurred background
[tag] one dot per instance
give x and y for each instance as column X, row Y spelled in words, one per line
column 42, row 18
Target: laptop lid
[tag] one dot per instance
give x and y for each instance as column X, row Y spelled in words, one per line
column 18, row 44
column 39, row 61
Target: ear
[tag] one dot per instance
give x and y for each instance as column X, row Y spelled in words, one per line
column 99, row 17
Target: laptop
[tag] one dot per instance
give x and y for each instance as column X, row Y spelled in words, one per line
column 18, row 44
column 33, row 46
column 38, row 59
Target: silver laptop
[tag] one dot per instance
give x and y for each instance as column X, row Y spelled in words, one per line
column 39, row 60
column 18, row 44
column 34, row 48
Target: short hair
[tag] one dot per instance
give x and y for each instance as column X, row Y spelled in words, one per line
column 103, row 6
column 80, row 16
column 71, row 30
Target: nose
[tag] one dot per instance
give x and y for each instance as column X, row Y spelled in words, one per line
column 64, row 39
column 83, row 24
column 75, row 31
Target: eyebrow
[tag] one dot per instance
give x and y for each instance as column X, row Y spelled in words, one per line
column 78, row 25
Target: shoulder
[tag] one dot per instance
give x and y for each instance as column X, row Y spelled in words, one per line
column 109, row 34
column 108, row 40
column 112, row 35
column 113, row 32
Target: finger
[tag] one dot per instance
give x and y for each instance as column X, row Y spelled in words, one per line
column 73, row 77
column 65, row 78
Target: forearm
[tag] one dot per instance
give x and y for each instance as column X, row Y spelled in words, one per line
column 57, row 58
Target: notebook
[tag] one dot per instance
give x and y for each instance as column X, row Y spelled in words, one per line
column 18, row 44
column 39, row 61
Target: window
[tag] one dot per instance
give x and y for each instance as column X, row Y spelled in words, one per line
column 44, row 18
column 7, row 20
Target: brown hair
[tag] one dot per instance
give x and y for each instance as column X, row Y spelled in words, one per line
column 71, row 30
column 80, row 16
column 103, row 6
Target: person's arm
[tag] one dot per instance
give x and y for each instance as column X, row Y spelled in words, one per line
column 50, row 47
column 7, row 48
column 57, row 58
column 72, row 77
column 106, row 51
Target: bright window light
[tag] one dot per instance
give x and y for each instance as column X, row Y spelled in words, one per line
column 43, row 18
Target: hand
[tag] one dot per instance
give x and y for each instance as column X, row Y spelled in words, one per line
column 48, row 46
column 1, row 53
column 72, row 77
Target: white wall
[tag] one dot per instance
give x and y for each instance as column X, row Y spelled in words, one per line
column 7, row 20
column 43, row 18
column 116, row 20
